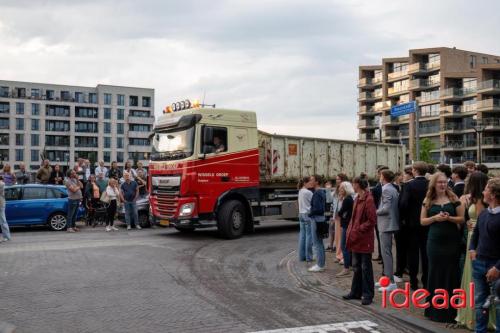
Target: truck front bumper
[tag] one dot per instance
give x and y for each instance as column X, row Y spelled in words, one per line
column 183, row 223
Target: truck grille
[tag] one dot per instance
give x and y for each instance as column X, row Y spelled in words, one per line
column 167, row 202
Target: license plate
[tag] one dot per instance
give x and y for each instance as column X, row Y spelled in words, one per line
column 165, row 223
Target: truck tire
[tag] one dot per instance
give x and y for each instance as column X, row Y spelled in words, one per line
column 231, row 219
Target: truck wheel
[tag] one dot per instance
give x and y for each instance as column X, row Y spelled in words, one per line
column 231, row 219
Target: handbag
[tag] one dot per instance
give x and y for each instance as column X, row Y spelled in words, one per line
column 105, row 197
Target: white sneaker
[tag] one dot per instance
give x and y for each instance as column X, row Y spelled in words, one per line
column 397, row 279
column 114, row 228
column 316, row 268
column 138, row 227
column 129, row 227
column 108, row 228
column 389, row 288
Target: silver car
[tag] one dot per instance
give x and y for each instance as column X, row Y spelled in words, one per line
column 142, row 210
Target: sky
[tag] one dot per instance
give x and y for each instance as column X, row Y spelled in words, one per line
column 293, row 62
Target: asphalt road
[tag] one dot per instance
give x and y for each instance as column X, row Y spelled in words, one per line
column 159, row 280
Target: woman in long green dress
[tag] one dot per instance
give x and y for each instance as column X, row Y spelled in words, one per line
column 473, row 201
column 443, row 213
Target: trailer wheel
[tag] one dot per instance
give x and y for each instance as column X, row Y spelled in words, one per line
column 231, row 219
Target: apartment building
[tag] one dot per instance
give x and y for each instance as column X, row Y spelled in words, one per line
column 110, row 123
column 456, row 92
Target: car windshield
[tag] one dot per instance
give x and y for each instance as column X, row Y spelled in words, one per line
column 173, row 145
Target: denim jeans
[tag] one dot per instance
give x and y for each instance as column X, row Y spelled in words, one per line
column 482, row 291
column 362, row 280
column 131, row 215
column 73, row 205
column 3, row 224
column 345, row 253
column 305, row 238
column 318, row 242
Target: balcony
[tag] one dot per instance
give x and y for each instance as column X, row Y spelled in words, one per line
column 139, row 134
column 489, row 87
column 141, row 120
column 365, row 96
column 492, row 104
column 491, row 141
column 434, row 130
column 389, row 120
column 380, row 106
column 421, row 68
column 459, row 144
column 455, row 94
column 457, row 127
column 391, row 135
column 366, row 82
column 421, row 84
column 368, row 137
column 491, row 123
column 405, row 132
column 458, row 110
column 367, row 123
column 394, row 76
column 139, row 148
column 396, row 92
column 491, row 159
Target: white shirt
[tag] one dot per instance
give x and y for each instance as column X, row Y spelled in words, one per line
column 305, row 197
column 112, row 193
column 103, row 170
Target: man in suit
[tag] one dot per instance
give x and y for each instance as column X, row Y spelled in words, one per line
column 458, row 175
column 411, row 203
column 377, row 194
column 388, row 223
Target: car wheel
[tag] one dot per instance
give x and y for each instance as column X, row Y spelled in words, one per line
column 57, row 221
column 144, row 219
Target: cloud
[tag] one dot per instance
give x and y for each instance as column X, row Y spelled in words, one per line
column 294, row 62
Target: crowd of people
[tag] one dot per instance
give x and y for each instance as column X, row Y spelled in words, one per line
column 444, row 223
column 92, row 187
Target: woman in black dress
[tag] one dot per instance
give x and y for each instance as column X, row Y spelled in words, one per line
column 443, row 213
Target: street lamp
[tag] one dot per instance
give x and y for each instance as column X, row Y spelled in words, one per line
column 479, row 128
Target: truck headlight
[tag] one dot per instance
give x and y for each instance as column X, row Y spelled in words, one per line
column 187, row 209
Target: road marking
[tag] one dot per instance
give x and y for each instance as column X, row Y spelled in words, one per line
column 345, row 327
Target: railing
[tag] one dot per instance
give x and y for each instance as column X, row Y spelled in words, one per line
column 459, row 143
column 491, row 121
column 393, row 90
column 367, row 123
column 488, row 103
column 404, row 132
column 389, row 120
column 394, row 75
column 377, row 80
column 368, row 137
column 416, row 67
column 457, row 92
column 365, row 95
column 432, row 65
column 457, row 126
column 382, row 105
column 491, row 159
column 364, row 81
column 429, row 130
column 391, row 133
column 491, row 140
column 489, row 84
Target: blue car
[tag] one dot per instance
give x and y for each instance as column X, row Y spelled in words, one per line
column 37, row 204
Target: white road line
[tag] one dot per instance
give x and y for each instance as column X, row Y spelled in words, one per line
column 346, row 327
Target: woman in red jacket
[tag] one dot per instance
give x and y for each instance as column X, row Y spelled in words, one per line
column 360, row 241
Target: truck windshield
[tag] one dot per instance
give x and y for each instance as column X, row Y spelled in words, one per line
column 173, row 145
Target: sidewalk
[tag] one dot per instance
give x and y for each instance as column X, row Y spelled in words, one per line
column 339, row 286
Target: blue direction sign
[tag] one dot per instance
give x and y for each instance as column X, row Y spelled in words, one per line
column 402, row 109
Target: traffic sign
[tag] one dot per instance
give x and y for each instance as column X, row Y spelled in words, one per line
column 402, row 109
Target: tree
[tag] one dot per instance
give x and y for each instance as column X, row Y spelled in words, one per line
column 426, row 145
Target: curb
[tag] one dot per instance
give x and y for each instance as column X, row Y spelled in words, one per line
column 6, row 327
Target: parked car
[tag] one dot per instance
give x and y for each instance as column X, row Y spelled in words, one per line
column 37, row 204
column 142, row 210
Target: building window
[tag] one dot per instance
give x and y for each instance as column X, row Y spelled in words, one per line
column 107, row 128
column 19, row 155
column 472, row 61
column 119, row 156
column 119, row 143
column 86, row 141
column 119, row 128
column 20, row 92
column 4, row 139
column 146, row 102
column 86, row 127
column 56, row 126
column 57, row 111
column 107, row 142
column 139, row 142
column 35, row 109
column 57, row 140
column 34, row 155
column 139, row 113
column 138, row 155
column 4, row 123
column 4, row 107
column 107, row 156
column 429, row 110
column 35, row 139
column 4, row 91
column 20, row 124
column 139, row 128
column 107, row 99
column 120, row 115
column 35, row 124
column 65, row 95
column 93, row 98
column 19, row 139
column 107, row 113
column 485, row 60
column 120, row 100
column 49, row 94
column 79, row 97
column 19, row 108
column 57, row 155
column 133, row 101
column 35, row 93
column 83, row 112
